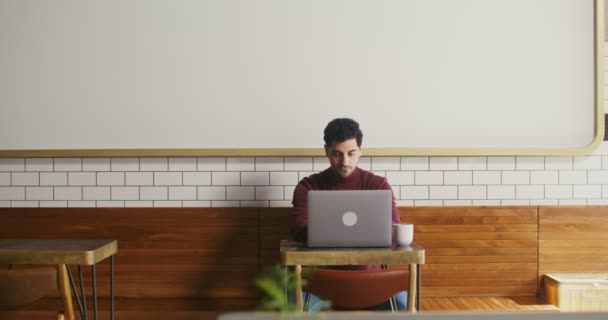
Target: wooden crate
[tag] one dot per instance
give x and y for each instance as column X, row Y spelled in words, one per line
column 577, row 292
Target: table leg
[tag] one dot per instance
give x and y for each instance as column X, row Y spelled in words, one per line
column 66, row 294
column 298, row 276
column 419, row 295
column 84, row 315
column 94, row 278
column 112, row 288
column 411, row 296
column 392, row 301
column 75, row 292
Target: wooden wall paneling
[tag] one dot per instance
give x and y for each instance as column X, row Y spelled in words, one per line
column 275, row 224
column 199, row 254
column 205, row 259
column 476, row 250
column 573, row 239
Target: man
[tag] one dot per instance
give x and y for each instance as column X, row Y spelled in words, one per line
column 343, row 139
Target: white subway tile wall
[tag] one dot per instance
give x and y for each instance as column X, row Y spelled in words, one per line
column 240, row 193
column 288, row 192
column 240, row 164
column 386, row 163
column 428, row 177
column 270, row 181
column 297, row 164
column 125, row 193
column 501, row 163
column 39, row 193
column 269, row 164
column 12, row 164
column 141, row 178
column 415, row 163
column 124, row 164
column 211, row 193
column 530, row 163
column 472, row 192
column 255, row 178
column 96, row 164
column 472, row 163
column 364, row 163
column 443, row 192
column 443, row 163
column 153, row 164
column 53, row 204
column 82, row 178
column 110, row 178
column 197, row 178
column 67, row 193
column 182, row 193
column 67, row 164
column 283, row 178
column 51, row 178
column 153, row 193
column 96, row 193
column 182, row 164
column 168, row 179
column 400, row 177
column 5, row 179
column 25, row 179
column 501, row 192
column 225, row 178
column 38, row 164
column 486, row 177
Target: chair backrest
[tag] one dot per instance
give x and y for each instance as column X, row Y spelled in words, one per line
column 20, row 287
column 350, row 289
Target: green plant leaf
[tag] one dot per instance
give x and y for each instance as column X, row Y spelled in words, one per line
column 273, row 282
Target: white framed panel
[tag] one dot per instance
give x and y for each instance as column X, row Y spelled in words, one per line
column 263, row 77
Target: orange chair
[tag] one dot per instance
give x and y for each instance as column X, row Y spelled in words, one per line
column 20, row 287
column 350, row 289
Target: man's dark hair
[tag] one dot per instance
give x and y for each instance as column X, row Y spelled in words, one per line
column 342, row 129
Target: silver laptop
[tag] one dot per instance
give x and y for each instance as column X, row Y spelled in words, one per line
column 349, row 218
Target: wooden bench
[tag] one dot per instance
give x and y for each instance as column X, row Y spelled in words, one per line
column 477, row 258
column 198, row 262
column 477, row 251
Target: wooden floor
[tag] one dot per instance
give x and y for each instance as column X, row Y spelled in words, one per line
column 153, row 310
column 487, row 304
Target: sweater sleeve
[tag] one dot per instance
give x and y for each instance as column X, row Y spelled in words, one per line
column 384, row 185
column 299, row 227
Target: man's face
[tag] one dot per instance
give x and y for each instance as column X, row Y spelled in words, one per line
column 343, row 156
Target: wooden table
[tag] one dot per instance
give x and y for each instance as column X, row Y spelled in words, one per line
column 63, row 253
column 297, row 255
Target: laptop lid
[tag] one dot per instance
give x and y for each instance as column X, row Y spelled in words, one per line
column 349, row 218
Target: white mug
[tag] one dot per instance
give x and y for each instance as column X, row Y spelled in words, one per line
column 404, row 234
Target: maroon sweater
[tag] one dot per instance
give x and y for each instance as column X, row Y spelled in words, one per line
column 328, row 180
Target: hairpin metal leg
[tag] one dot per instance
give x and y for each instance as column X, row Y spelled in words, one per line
column 85, row 315
column 75, row 291
column 306, row 301
column 393, row 303
column 112, row 287
column 419, row 291
column 93, row 271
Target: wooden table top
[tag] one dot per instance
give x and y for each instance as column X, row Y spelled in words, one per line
column 65, row 251
column 296, row 253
